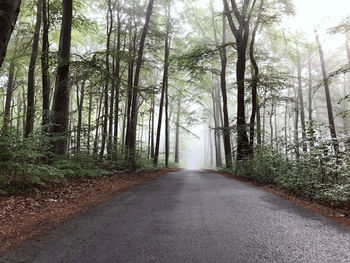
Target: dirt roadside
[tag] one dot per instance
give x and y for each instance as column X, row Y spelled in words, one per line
column 26, row 217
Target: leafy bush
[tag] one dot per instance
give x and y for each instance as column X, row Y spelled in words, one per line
column 319, row 173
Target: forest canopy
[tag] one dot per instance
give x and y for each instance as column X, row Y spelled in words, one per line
column 91, row 87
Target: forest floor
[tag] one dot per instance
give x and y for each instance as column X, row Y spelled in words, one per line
column 27, row 216
column 340, row 214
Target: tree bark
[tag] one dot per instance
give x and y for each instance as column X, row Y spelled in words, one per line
column 328, row 96
column 89, row 123
column 301, row 104
column 31, row 73
column 80, row 103
column 106, row 89
column 60, row 106
column 133, row 117
column 241, row 34
column 9, row 91
column 45, row 68
column 223, row 58
column 255, row 79
column 164, row 88
column 117, row 75
column 310, row 91
column 177, row 136
column 9, row 10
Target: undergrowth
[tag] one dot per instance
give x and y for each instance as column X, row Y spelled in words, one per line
column 319, row 173
column 28, row 165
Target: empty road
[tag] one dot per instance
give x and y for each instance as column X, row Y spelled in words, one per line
column 192, row 216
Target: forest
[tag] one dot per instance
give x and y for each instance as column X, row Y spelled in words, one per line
column 89, row 88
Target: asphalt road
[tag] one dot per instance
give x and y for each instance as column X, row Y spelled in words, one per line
column 192, row 216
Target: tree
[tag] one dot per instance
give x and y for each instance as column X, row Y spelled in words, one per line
column 31, row 89
column 131, row 132
column 45, row 67
column 9, row 10
column 255, row 79
column 60, row 107
column 223, row 58
column 241, row 32
column 328, row 96
column 164, row 93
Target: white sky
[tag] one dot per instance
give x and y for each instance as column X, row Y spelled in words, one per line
column 319, row 14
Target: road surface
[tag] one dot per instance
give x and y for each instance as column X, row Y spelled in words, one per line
column 192, row 216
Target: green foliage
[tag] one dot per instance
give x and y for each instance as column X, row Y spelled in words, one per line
column 319, row 174
column 28, row 165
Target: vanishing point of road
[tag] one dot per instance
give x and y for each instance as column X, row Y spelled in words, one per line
column 192, row 216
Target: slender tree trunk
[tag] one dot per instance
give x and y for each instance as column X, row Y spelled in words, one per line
column 31, row 73
column 255, row 79
column 60, row 106
column 286, row 128
column 271, row 127
column 133, row 117
column 89, row 123
column 98, row 117
column 9, row 10
column 117, row 75
column 328, row 96
column 45, row 68
column 216, row 119
column 9, row 91
column 296, row 126
column 80, row 102
column 166, row 125
column 106, row 89
column 152, row 135
column 177, row 136
column 301, row 104
column 132, row 51
column 310, row 90
column 164, row 89
column 223, row 58
column 258, row 124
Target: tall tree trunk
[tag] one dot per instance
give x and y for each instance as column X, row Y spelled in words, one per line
column 60, row 106
column 310, row 90
column 89, row 123
column 177, row 136
column 164, row 87
column 217, row 126
column 152, row 132
column 296, row 126
column 166, row 125
column 223, row 58
column 31, row 73
column 9, row 91
column 167, row 117
column 9, row 10
column 258, row 124
column 80, row 103
column 98, row 117
column 132, row 51
column 328, row 96
column 133, row 117
column 255, row 79
column 271, row 127
column 301, row 104
column 106, row 89
column 45, row 67
column 117, row 75
column 241, row 35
